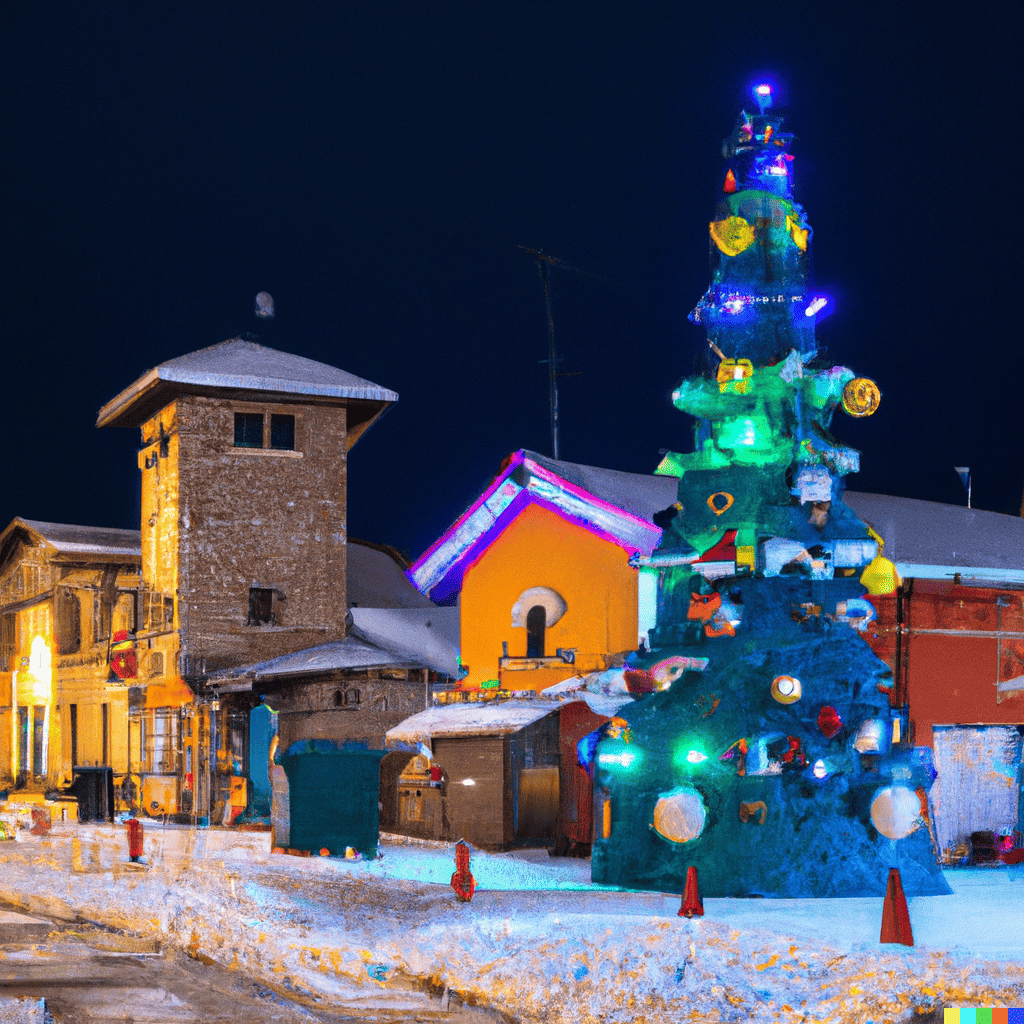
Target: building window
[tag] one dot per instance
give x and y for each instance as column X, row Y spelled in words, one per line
column 536, row 619
column 7, row 644
column 162, row 742
column 69, row 625
column 282, row 432
column 39, row 725
column 248, row 430
column 261, row 607
column 156, row 664
column 352, row 697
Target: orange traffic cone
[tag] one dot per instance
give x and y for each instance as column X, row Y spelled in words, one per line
column 895, row 916
column 692, row 903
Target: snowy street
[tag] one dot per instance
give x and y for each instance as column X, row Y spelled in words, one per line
column 538, row 942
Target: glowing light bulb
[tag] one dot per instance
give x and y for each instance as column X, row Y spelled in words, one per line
column 818, row 303
column 695, row 757
column 820, row 771
column 763, row 90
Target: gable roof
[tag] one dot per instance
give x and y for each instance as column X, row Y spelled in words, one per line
column 426, row 636
column 76, row 543
column 925, row 539
column 604, row 501
column 247, row 370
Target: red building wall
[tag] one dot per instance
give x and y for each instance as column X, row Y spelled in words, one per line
column 940, row 638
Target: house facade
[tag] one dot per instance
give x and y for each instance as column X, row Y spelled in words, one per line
column 540, row 564
column 69, row 601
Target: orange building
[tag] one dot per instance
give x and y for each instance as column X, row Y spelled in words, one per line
column 541, row 564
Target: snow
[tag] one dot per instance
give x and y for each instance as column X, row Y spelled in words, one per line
column 473, row 718
column 539, row 941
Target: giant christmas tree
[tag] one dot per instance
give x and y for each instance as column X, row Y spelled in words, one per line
column 763, row 749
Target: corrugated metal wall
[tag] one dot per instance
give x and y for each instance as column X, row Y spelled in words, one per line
column 978, row 787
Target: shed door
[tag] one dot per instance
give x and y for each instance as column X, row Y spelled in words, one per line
column 537, row 803
column 978, row 785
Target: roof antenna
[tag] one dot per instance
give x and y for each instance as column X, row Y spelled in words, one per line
column 544, row 265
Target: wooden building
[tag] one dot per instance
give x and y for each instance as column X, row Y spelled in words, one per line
column 69, row 604
column 493, row 774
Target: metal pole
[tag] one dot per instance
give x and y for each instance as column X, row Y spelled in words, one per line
column 545, row 275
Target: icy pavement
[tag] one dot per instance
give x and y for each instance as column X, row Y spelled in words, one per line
column 538, row 942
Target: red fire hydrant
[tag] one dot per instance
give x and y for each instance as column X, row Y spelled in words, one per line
column 463, row 882
column 134, row 839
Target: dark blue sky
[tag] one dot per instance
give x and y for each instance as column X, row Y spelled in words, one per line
column 376, row 167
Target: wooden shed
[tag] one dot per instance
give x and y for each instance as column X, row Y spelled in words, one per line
column 496, row 772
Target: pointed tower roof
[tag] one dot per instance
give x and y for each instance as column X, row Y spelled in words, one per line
column 245, row 369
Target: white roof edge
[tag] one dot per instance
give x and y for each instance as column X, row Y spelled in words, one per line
column 920, row 571
column 177, row 375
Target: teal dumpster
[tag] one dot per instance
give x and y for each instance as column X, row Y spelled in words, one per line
column 334, row 798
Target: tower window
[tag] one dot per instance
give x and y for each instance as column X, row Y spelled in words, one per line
column 248, row 430
column 261, row 606
column 282, row 431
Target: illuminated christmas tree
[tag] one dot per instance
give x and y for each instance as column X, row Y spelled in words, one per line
column 763, row 749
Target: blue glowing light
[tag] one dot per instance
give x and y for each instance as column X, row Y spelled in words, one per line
column 818, row 303
column 763, row 95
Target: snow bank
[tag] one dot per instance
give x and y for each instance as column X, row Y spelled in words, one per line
column 539, row 941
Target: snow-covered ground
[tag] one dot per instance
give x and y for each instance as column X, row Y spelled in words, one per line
column 539, row 941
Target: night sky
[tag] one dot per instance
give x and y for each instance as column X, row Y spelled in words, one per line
column 376, row 167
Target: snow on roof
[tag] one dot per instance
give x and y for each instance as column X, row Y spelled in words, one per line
column 926, row 539
column 607, row 704
column 376, row 579
column 640, row 493
column 350, row 653
column 474, row 718
column 239, row 365
column 100, row 540
column 560, row 487
column 428, row 636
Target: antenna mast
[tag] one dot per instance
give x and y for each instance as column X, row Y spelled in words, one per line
column 544, row 265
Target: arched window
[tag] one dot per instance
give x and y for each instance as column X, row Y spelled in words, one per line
column 536, row 619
